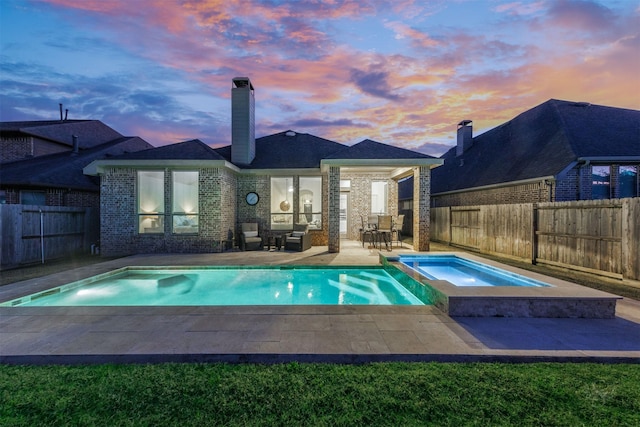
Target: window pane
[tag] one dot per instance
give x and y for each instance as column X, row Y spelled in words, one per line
column 600, row 176
column 185, row 224
column 184, row 202
column 150, row 201
column 379, row 203
column 282, row 203
column 185, row 192
column 310, row 197
column 32, row 198
column 628, row 181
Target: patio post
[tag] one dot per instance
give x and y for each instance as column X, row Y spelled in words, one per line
column 334, row 209
column 421, row 208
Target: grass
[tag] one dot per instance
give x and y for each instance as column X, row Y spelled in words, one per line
column 384, row 394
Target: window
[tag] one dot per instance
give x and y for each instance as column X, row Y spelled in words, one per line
column 628, row 181
column 33, row 198
column 150, row 202
column 601, row 182
column 310, row 197
column 185, row 202
column 379, row 197
column 282, row 203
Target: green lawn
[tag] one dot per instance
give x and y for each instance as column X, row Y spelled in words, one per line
column 393, row 394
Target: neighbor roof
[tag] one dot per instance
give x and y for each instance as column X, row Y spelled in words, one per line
column 64, row 170
column 91, row 133
column 541, row 142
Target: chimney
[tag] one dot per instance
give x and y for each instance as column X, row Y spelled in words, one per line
column 465, row 136
column 76, row 147
column 243, row 139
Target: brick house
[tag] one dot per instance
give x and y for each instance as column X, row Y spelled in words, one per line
column 42, row 161
column 189, row 197
column 557, row 151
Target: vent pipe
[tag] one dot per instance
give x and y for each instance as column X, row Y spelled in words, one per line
column 76, row 147
column 60, row 112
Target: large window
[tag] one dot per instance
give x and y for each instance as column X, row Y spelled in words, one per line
column 282, row 203
column 601, row 182
column 150, row 202
column 310, row 199
column 628, row 177
column 185, row 202
column 379, row 197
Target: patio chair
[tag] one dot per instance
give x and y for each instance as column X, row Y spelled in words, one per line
column 299, row 239
column 250, row 240
column 385, row 223
column 366, row 230
column 397, row 229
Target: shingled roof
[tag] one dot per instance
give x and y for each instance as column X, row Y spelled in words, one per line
column 540, row 142
column 288, row 150
column 91, row 133
column 64, row 170
column 372, row 150
column 188, row 150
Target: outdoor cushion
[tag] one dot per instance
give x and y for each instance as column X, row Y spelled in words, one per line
column 297, row 233
column 250, row 233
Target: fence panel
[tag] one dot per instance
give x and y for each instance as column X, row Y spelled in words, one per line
column 440, row 225
column 630, row 226
column 585, row 234
column 58, row 231
column 465, row 226
column 600, row 236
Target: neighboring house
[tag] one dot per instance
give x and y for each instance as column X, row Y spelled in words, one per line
column 24, row 140
column 188, row 197
column 42, row 161
column 557, row 151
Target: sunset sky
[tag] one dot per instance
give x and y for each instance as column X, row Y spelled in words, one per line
column 400, row 72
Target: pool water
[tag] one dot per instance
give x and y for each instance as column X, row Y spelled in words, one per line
column 463, row 272
column 231, row 286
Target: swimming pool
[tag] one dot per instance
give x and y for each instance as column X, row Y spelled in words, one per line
column 233, row 286
column 464, row 272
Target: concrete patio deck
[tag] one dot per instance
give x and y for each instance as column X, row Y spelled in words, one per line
column 269, row 334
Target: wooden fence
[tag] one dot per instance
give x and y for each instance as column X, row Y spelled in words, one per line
column 36, row 233
column 599, row 236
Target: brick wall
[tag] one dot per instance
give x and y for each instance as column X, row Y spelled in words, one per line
column 523, row 193
column 119, row 220
column 15, row 148
column 57, row 197
column 360, row 198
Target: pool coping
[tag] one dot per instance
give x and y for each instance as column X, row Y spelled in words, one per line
column 560, row 299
